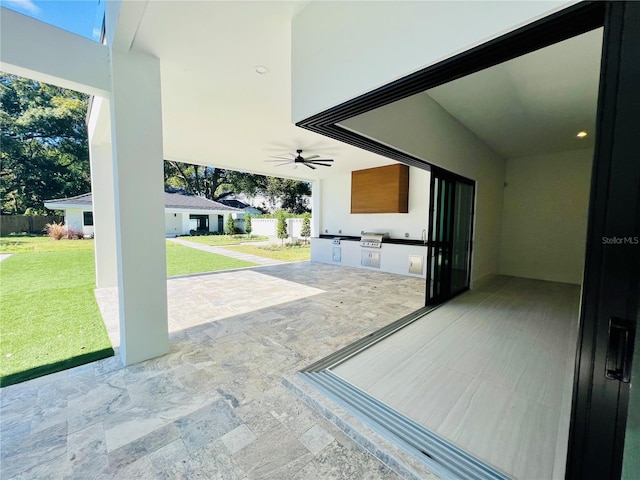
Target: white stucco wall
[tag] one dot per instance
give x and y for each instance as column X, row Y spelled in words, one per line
column 336, row 217
column 73, row 218
column 421, row 127
column 343, row 49
column 173, row 223
column 544, row 227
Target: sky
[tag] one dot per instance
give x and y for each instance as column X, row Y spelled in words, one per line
column 82, row 17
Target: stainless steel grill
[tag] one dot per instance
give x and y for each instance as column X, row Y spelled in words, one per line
column 372, row 240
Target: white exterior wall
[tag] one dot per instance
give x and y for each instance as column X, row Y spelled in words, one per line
column 336, row 217
column 173, row 223
column 420, row 126
column 294, row 227
column 544, row 227
column 213, row 223
column 269, row 227
column 73, row 218
column 343, row 49
column 264, row 226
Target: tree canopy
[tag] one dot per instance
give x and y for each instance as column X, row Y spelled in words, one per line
column 216, row 183
column 45, row 152
column 45, row 155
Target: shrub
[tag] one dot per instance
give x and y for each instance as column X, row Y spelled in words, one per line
column 247, row 224
column 282, row 226
column 305, row 232
column 75, row 234
column 229, row 225
column 56, row 231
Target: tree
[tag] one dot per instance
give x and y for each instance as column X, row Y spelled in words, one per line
column 45, row 152
column 305, row 232
column 282, row 226
column 247, row 224
column 215, row 183
column 229, row 225
column 291, row 193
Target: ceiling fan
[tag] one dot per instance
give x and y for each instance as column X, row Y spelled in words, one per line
column 310, row 161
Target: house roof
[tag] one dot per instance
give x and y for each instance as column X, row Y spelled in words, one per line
column 234, row 203
column 176, row 200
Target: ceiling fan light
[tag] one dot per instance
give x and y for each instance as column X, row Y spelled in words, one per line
column 582, row 134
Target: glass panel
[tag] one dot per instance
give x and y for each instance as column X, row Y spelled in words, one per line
column 461, row 237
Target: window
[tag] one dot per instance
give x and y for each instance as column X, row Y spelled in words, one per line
column 87, row 220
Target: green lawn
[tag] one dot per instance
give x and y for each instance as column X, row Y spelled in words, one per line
column 218, row 240
column 184, row 260
column 286, row 253
column 49, row 318
column 39, row 243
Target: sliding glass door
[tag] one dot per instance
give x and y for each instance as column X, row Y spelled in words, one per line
column 450, row 233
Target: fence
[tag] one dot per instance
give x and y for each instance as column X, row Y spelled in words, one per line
column 26, row 223
column 269, row 227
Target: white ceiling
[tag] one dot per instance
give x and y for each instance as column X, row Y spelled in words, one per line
column 216, row 109
column 534, row 104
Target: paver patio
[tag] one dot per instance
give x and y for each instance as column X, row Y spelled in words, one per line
column 215, row 406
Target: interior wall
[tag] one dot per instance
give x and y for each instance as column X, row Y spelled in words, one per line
column 420, row 126
column 544, row 226
column 343, row 49
column 336, row 207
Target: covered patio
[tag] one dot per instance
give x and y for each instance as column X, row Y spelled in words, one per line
column 215, row 405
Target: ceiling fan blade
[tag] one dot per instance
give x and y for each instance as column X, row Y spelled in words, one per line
column 279, row 158
column 312, row 157
column 320, row 160
column 309, row 165
column 283, row 163
column 321, row 164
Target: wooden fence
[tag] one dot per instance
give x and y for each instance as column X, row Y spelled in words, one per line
column 26, row 223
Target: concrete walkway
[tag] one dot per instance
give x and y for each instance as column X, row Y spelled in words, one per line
column 227, row 253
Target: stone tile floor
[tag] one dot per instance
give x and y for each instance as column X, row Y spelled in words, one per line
column 214, row 406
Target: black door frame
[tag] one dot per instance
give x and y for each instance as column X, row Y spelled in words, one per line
column 443, row 276
column 611, row 280
column 599, row 409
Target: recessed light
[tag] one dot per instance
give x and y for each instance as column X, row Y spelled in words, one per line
column 261, row 69
column 581, row 134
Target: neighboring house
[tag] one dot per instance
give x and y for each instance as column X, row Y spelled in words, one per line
column 183, row 212
column 235, row 203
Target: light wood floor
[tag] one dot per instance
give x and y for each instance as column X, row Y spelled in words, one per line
column 491, row 371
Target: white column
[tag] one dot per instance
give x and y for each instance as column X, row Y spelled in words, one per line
column 104, row 220
column 102, row 185
column 136, row 126
column 316, row 195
